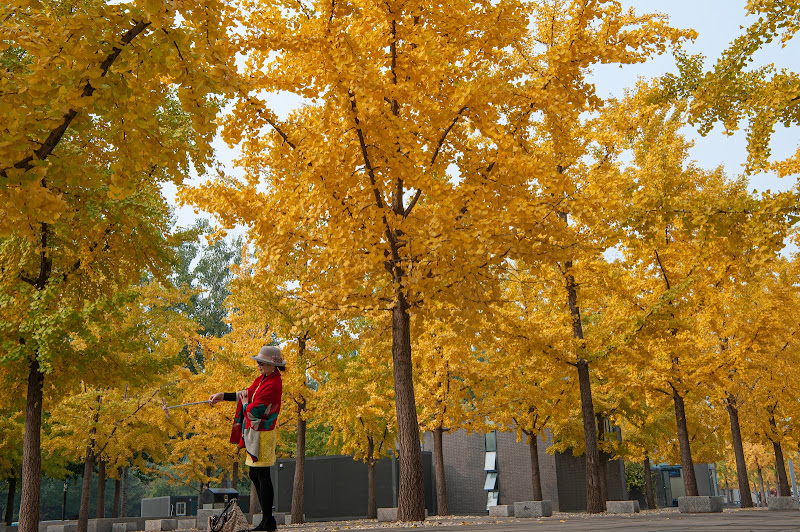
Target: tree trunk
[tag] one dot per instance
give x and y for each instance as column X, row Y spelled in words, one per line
column 299, row 467
column 782, row 482
column 200, row 495
column 101, row 489
column 738, row 450
column 761, row 486
column 441, row 481
column 689, row 478
column 372, row 501
column 536, row 477
column 123, row 501
column 254, row 507
column 235, row 474
column 12, row 491
column 603, row 456
column 115, row 510
column 780, row 466
column 410, row 497
column 86, row 489
column 32, row 452
column 649, row 496
column 594, row 499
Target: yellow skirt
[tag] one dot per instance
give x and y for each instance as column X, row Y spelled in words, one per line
column 268, row 439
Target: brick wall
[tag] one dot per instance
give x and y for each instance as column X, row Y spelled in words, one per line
column 463, row 468
column 563, row 475
column 513, row 469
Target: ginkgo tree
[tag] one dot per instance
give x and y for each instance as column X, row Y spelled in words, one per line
column 452, row 381
column 357, row 187
column 356, row 399
column 530, row 387
column 308, row 338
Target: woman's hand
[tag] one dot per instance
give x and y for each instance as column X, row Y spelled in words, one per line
column 216, row 398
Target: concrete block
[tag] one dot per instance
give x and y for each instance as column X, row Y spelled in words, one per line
column 280, row 518
column 160, row 525
column 533, row 509
column 702, row 504
column 782, row 503
column 203, row 515
column 103, row 524
column 501, row 510
column 285, row 517
column 63, row 528
column 124, row 527
column 187, row 523
column 384, row 514
column 44, row 525
column 622, row 507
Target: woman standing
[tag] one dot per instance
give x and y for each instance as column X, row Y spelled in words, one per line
column 257, row 410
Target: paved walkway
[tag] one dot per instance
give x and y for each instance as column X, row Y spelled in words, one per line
column 650, row 521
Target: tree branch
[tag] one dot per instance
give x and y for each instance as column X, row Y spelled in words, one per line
column 444, row 135
column 367, row 163
column 56, row 134
column 661, row 267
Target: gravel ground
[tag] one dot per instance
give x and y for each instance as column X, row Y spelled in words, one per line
column 474, row 520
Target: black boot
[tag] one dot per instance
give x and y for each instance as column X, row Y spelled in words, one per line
column 272, row 525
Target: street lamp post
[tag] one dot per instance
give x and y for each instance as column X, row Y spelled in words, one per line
column 64, row 502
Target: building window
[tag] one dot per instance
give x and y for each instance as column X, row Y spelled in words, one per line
column 490, row 441
column 491, row 461
column 491, row 481
column 492, row 498
column 180, row 508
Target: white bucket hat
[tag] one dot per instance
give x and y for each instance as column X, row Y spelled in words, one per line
column 269, row 354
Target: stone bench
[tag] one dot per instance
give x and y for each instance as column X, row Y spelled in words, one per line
column 622, row 507
column 533, row 509
column 700, row 504
column 501, row 510
column 782, row 503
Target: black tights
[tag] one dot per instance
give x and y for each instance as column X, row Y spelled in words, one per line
column 263, row 483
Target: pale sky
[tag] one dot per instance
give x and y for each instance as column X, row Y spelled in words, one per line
column 717, row 23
